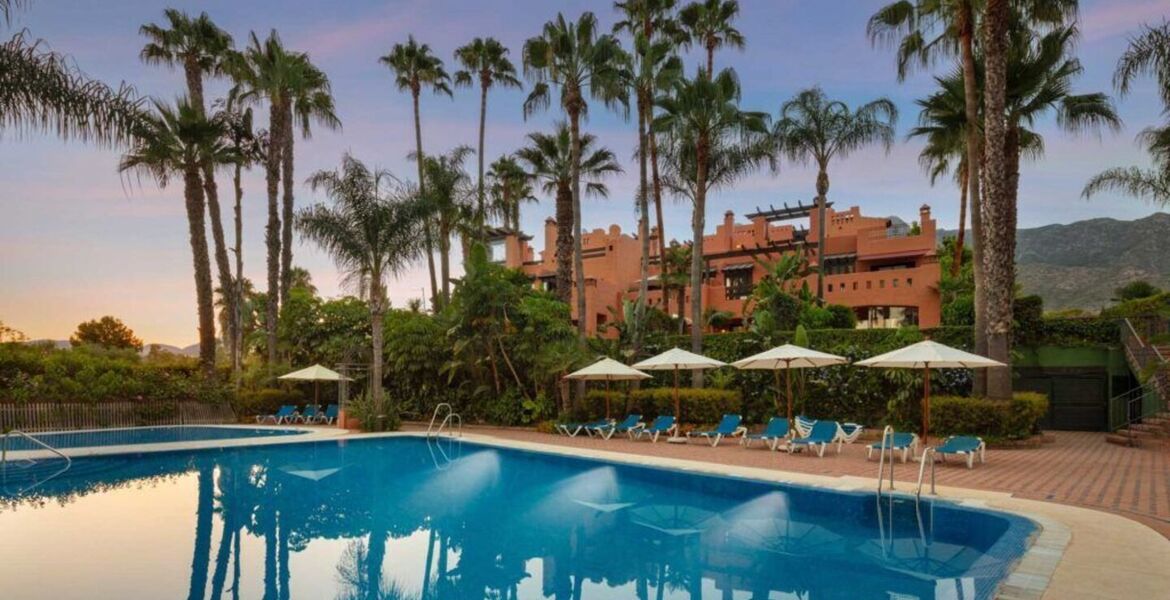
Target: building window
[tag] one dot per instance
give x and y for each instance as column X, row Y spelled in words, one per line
column 882, row 284
column 869, row 285
column 909, row 282
column 840, row 265
column 738, row 283
column 895, row 282
column 830, row 287
column 854, row 286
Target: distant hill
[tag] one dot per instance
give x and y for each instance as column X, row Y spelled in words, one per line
column 192, row 350
column 1078, row 265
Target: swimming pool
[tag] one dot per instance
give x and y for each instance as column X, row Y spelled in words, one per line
column 146, row 435
column 407, row 518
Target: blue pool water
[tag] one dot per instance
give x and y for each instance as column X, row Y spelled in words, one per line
column 407, row 518
column 147, row 435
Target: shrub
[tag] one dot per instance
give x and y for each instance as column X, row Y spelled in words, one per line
column 698, row 406
column 995, row 419
column 362, row 409
column 265, row 401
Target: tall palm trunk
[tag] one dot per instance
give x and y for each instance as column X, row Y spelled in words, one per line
column 481, row 209
column 643, row 222
column 194, row 77
column 578, row 258
column 966, row 26
column 193, row 194
column 822, row 201
column 444, row 243
column 428, row 243
column 564, row 248
column 375, row 556
column 710, row 59
column 272, row 229
column 237, row 333
column 961, row 240
column 377, row 308
column 698, row 224
column 999, row 212
column 286, row 224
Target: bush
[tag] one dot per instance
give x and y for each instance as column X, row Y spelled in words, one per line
column 362, row 409
column 265, row 401
column 995, row 419
column 698, row 406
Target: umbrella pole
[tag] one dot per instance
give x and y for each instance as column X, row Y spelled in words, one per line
column 926, row 404
column 788, row 380
column 677, row 412
column 317, row 393
column 606, row 398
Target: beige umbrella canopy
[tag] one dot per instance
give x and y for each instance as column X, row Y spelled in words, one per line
column 316, row 374
column 607, row 370
column 676, row 359
column 789, row 356
column 929, row 355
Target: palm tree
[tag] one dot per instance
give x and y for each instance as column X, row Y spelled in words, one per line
column 509, row 187
column 415, row 67
column 715, row 140
column 177, row 141
column 1148, row 53
column 814, row 128
column 549, row 159
column 447, row 196
column 263, row 71
column 654, row 66
column 655, row 21
column 927, row 30
column 708, row 25
column 485, row 60
column 309, row 98
column 372, row 232
column 942, row 122
column 42, row 90
column 200, row 48
column 248, row 147
column 573, row 57
column 998, row 214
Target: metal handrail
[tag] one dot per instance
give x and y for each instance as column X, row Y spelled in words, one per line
column 888, row 431
column 927, row 452
column 4, row 447
column 452, row 417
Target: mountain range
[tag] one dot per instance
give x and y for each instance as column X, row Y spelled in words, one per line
column 1078, row 265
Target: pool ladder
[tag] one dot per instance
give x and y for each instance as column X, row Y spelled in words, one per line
column 4, row 461
column 452, row 422
column 927, row 455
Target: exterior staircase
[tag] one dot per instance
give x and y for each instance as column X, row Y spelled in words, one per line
column 1147, row 408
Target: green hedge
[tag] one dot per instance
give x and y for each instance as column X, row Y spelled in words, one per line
column 995, row 419
column 698, row 406
column 265, row 401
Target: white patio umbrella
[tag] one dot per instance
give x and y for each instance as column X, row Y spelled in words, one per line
column 788, row 356
column 316, row 374
column 676, row 359
column 607, row 370
column 929, row 355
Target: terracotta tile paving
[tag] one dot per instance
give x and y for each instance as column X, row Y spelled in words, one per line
column 1078, row 468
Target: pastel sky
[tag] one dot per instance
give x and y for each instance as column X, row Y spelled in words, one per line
column 78, row 241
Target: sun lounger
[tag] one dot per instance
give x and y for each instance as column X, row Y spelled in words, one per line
column 329, row 415
column 572, row 429
column 850, row 432
column 631, row 423
column 285, row 413
column 804, row 425
column 772, row 435
column 895, row 442
column 308, row 415
column 663, row 424
column 728, row 427
column 820, row 436
column 966, row 446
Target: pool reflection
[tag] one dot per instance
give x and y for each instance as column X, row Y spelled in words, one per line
column 388, row 519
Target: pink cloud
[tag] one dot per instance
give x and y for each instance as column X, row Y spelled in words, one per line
column 1115, row 18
